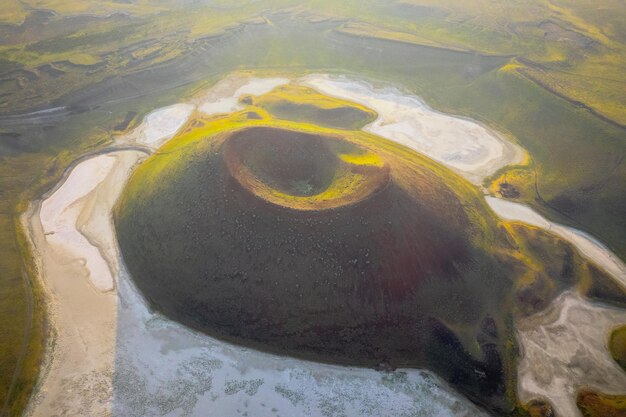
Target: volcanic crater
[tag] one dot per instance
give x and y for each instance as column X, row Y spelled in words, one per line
column 337, row 247
column 333, row 245
column 303, row 171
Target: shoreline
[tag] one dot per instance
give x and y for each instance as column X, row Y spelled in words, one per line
column 80, row 350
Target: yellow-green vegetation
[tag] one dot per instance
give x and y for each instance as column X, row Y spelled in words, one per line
column 42, row 68
column 593, row 404
column 535, row 286
column 368, row 30
column 303, row 104
column 23, row 178
column 588, row 87
column 15, row 11
column 21, row 308
column 12, row 12
column 53, row 57
column 617, row 346
column 514, row 183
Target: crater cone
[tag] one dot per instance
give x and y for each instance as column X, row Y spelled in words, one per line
column 337, row 246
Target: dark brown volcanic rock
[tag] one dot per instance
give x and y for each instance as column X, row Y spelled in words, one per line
column 414, row 272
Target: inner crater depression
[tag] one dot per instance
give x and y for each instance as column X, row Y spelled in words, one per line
column 303, row 171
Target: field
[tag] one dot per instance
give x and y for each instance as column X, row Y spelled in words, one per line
column 547, row 74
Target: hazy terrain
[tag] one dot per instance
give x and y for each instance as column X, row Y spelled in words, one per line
column 546, row 75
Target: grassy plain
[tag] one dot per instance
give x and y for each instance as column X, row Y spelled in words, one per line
column 572, row 48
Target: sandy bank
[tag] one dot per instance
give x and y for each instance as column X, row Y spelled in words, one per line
column 59, row 217
column 159, row 126
column 79, row 364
